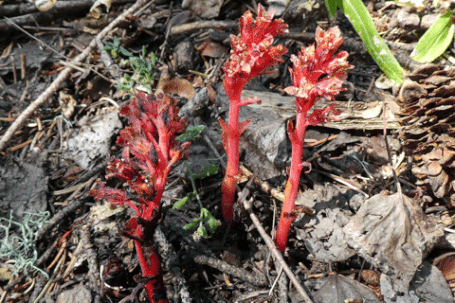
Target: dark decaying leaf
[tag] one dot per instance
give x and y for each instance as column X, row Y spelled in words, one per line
column 340, row 289
column 392, row 233
column 322, row 232
column 428, row 285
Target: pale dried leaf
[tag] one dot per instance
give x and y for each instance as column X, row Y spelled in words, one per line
column 340, row 289
column 393, row 234
column 428, row 285
column 322, row 232
column 92, row 141
column 207, row 9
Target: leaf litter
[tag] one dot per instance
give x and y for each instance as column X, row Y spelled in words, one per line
column 391, row 233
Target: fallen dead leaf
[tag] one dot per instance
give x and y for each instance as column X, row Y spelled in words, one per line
column 92, row 141
column 204, row 8
column 447, row 267
column 177, row 86
column 340, row 289
column 393, row 234
column 212, row 49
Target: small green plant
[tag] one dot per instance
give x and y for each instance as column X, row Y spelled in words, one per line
column 206, row 219
column 191, row 132
column 114, row 48
column 20, row 247
column 360, row 18
column 142, row 66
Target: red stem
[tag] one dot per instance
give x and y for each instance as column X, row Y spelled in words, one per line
column 230, row 182
column 154, row 288
column 292, row 186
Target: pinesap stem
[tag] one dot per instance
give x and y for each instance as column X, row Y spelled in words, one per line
column 230, row 180
column 292, row 186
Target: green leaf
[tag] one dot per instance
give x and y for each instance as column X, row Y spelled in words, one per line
column 360, row 18
column 191, row 132
column 116, row 43
column 192, row 225
column 436, row 40
column 209, row 220
column 179, row 204
column 202, row 231
column 153, row 59
column 124, row 52
column 208, row 171
column 332, row 7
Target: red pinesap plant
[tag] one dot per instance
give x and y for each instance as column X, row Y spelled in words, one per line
column 317, row 73
column 252, row 51
column 150, row 150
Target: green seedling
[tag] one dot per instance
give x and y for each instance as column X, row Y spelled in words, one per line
column 206, row 219
column 142, row 66
column 114, row 48
column 191, row 133
column 142, row 73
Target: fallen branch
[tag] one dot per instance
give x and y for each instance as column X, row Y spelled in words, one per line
column 234, row 271
column 64, row 74
column 194, row 26
column 248, row 204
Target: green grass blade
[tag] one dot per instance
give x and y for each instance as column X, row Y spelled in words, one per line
column 436, row 40
column 332, row 6
column 360, row 18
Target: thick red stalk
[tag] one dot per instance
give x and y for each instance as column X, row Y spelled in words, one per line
column 151, row 271
column 318, row 72
column 149, row 153
column 297, row 137
column 229, row 184
column 252, row 51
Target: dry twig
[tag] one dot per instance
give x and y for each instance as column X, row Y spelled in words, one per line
column 239, row 273
column 64, row 74
column 248, row 204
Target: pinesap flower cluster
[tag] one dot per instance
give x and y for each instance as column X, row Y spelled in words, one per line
column 318, row 72
column 150, row 150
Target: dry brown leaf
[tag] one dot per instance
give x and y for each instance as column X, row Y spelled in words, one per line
column 340, row 289
column 211, row 93
column 393, row 234
column 177, row 86
column 206, row 9
column 447, row 266
column 212, row 49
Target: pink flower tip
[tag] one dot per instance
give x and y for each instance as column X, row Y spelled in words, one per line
column 252, row 49
column 318, row 72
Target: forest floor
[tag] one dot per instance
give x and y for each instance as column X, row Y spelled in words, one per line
column 376, row 215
